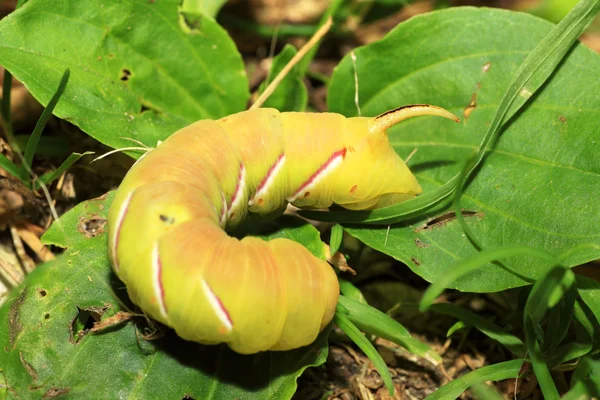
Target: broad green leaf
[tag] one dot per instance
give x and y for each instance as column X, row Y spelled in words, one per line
column 534, row 186
column 291, row 94
column 44, row 352
column 296, row 229
column 137, row 69
column 494, row 372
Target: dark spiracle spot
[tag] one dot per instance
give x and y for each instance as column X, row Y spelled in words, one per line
column 167, row 220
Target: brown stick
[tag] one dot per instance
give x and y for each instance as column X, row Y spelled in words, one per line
column 288, row 67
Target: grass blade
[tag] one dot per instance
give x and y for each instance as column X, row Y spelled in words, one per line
column 464, row 267
column 51, row 176
column 373, row 321
column 488, row 328
column 34, row 139
column 544, row 295
column 352, row 292
column 11, row 168
column 363, row 343
column 495, row 372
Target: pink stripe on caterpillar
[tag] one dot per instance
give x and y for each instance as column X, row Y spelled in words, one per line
column 218, row 307
column 223, row 216
column 119, row 224
column 159, row 290
column 333, row 162
column 269, row 179
column 237, row 197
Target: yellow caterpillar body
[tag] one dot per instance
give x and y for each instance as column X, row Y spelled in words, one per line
column 167, row 238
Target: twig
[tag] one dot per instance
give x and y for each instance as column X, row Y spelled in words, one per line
column 26, row 261
column 9, row 273
column 297, row 57
column 34, row 243
column 412, row 153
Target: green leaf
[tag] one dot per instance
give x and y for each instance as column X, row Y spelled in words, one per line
column 481, row 391
column 137, row 69
column 373, row 321
column 72, row 159
column 495, row 372
column 34, row 139
column 352, row 292
column 296, row 229
column 44, row 351
column 476, row 263
column 553, row 10
column 335, row 241
column 291, row 94
column 544, row 295
column 11, row 168
column 458, row 325
column 589, row 292
column 542, row 168
column 586, row 377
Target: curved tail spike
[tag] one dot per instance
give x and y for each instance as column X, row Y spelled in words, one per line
column 392, row 117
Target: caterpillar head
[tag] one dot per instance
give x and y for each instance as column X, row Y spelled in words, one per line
column 372, row 174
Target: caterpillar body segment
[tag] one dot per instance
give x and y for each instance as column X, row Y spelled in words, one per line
column 167, row 238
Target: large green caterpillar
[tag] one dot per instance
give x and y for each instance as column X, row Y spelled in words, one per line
column 167, row 239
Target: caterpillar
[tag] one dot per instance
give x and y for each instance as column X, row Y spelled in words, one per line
column 167, row 223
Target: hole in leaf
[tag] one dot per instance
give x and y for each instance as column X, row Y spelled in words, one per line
column 84, row 321
column 443, row 219
column 42, row 292
column 125, row 74
column 47, row 316
column 91, row 227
